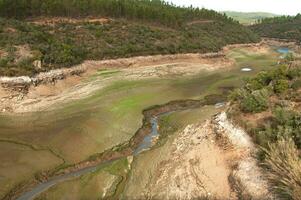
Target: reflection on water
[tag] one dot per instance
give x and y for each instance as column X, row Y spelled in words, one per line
column 148, row 140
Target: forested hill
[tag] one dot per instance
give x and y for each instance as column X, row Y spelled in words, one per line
column 284, row 27
column 39, row 35
column 148, row 10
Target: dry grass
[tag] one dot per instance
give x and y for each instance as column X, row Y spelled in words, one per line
column 284, row 169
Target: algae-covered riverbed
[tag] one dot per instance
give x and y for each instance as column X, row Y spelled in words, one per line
column 38, row 141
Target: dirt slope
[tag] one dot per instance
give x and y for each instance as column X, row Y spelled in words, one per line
column 210, row 160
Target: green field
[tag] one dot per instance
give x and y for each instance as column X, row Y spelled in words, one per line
column 248, row 18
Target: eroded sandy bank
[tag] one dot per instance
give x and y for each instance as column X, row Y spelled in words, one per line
column 211, row 160
column 18, row 97
column 29, row 94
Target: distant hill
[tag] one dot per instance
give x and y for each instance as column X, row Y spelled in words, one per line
column 248, row 17
column 284, row 27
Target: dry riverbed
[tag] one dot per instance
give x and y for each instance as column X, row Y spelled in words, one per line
column 99, row 74
column 30, row 94
column 86, row 114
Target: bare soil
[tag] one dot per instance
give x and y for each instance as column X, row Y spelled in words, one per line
column 208, row 160
column 55, row 20
column 196, row 168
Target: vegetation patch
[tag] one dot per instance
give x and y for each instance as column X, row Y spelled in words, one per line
column 282, row 27
column 104, row 183
column 268, row 108
column 132, row 28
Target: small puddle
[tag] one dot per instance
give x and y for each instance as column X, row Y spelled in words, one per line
column 283, row 50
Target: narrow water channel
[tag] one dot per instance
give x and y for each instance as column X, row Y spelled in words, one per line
column 145, row 144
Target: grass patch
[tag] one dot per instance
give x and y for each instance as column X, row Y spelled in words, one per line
column 282, row 160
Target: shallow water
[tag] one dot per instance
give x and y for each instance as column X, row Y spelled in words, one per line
column 45, row 186
column 283, row 50
column 148, row 140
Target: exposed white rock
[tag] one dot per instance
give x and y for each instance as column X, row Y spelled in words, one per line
column 37, row 64
column 248, row 176
column 237, row 136
column 16, row 80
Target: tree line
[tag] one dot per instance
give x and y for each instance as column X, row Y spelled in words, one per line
column 280, row 19
column 284, row 27
column 148, row 10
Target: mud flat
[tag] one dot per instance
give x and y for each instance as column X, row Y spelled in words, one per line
column 116, row 153
column 26, row 94
column 85, row 118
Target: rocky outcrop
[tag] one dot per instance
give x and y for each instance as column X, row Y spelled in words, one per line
column 247, row 177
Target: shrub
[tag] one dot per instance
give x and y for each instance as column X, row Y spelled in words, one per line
column 279, row 73
column 289, row 57
column 285, row 123
column 280, row 86
column 284, row 168
column 294, row 72
column 3, row 62
column 261, row 80
column 252, row 102
column 62, row 54
column 296, row 84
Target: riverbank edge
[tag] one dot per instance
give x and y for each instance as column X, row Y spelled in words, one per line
column 24, row 82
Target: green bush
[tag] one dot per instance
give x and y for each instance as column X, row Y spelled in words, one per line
column 296, row 84
column 3, row 62
column 285, row 123
column 261, row 80
column 280, row 73
column 280, row 86
column 251, row 102
column 62, row 54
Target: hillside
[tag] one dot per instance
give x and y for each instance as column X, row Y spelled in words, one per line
column 268, row 107
column 248, row 17
column 284, row 27
column 70, row 32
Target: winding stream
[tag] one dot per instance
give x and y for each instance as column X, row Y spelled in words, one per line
column 145, row 144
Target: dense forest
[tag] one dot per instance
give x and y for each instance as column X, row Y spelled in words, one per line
column 148, row 10
column 39, row 35
column 284, row 27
